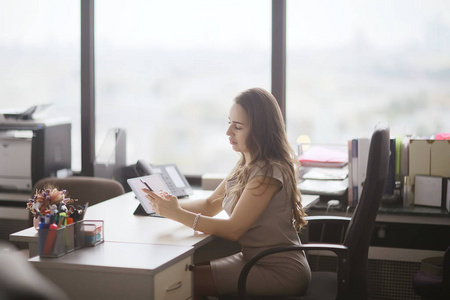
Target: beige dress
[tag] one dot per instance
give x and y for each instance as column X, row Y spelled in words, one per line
column 285, row 273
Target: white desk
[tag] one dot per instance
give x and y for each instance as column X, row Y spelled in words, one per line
column 142, row 256
column 122, row 226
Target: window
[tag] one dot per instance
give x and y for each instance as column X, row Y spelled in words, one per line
column 40, row 59
column 167, row 71
column 351, row 64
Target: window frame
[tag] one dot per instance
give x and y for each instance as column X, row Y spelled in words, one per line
column 278, row 76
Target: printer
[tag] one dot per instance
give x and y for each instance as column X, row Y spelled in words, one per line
column 31, row 149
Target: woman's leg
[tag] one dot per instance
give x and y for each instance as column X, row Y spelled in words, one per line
column 203, row 282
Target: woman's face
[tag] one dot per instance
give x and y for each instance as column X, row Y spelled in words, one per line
column 239, row 128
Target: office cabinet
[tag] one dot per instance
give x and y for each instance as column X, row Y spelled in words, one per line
column 114, row 270
column 174, row 282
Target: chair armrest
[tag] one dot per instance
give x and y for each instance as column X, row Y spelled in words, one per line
column 328, row 220
column 340, row 250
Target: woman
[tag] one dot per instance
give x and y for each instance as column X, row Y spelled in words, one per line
column 261, row 198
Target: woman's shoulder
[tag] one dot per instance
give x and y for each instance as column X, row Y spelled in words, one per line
column 266, row 168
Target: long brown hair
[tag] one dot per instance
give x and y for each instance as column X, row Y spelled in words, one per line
column 268, row 146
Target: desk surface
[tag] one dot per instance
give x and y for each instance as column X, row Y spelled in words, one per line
column 121, row 225
column 134, row 248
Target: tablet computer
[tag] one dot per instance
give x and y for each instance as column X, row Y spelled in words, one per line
column 155, row 182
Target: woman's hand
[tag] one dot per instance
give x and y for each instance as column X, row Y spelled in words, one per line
column 163, row 203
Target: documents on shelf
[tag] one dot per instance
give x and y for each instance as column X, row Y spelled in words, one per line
column 324, row 156
column 323, row 187
column 326, row 168
column 326, row 173
column 323, row 169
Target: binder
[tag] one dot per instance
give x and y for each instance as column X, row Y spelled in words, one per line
column 404, row 157
column 350, row 177
column 358, row 167
column 354, row 172
column 363, row 157
column 447, row 204
column 398, row 158
column 391, row 177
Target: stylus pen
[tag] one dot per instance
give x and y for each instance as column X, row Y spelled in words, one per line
column 142, row 180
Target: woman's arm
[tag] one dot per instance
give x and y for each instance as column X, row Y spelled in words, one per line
column 253, row 201
column 207, row 207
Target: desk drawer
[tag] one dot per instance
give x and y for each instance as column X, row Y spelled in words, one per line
column 174, row 282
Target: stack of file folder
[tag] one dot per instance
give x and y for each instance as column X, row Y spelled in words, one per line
column 324, row 169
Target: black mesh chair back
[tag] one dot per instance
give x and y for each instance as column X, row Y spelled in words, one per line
column 359, row 231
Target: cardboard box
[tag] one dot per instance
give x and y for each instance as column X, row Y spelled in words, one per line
column 419, row 158
column 440, row 158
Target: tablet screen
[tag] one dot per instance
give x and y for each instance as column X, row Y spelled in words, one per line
column 155, row 181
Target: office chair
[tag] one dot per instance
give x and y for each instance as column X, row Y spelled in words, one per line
column 351, row 279
column 19, row 280
column 435, row 282
column 86, row 189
